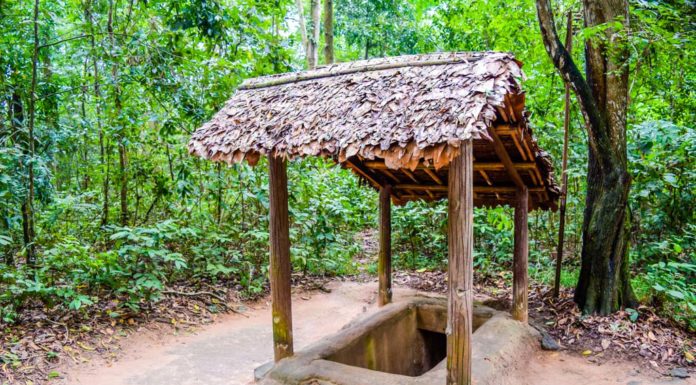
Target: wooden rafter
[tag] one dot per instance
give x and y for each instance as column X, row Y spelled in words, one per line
column 410, row 175
column 433, row 176
column 367, row 174
column 510, row 110
column 414, row 179
column 390, row 175
column 517, row 139
column 505, row 158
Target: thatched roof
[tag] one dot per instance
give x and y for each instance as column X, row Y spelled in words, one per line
column 408, row 112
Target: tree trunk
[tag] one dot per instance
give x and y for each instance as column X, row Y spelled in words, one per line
column 120, row 122
column 218, row 200
column 604, row 283
column 303, row 30
column 313, row 43
column 328, row 32
column 97, row 103
column 564, row 169
column 28, row 204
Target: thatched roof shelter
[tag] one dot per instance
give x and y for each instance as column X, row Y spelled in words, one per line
column 393, row 121
column 414, row 127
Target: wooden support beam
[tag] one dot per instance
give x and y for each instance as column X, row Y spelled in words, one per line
column 520, row 257
column 460, row 275
column 384, row 265
column 279, row 234
column 477, row 189
column 505, row 158
column 478, row 166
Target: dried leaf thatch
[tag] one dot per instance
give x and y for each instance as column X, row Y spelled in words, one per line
column 405, row 111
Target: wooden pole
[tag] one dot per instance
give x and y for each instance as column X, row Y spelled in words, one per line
column 564, row 171
column 521, row 254
column 461, row 275
column 384, row 266
column 280, row 258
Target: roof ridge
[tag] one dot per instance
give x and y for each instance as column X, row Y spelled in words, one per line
column 370, row 65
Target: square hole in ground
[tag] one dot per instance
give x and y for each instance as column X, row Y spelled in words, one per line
column 410, row 343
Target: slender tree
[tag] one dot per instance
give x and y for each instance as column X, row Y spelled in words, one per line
column 310, row 33
column 118, row 109
column 328, row 32
column 313, row 51
column 564, row 168
column 604, row 284
column 28, row 204
column 89, row 16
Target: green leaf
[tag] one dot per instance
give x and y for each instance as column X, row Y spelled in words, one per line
column 676, row 294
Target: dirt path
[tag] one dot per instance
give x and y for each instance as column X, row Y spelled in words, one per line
column 228, row 351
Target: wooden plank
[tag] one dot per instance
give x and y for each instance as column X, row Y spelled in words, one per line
column 460, row 275
column 384, row 265
column 279, row 233
column 520, row 257
column 505, row 158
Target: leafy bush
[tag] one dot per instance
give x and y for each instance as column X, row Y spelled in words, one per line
column 673, row 287
column 420, row 235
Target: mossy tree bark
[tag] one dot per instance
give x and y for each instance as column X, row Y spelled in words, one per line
column 604, row 283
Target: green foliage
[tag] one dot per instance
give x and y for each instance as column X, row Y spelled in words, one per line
column 326, row 216
column 663, row 159
column 419, row 235
column 174, row 63
column 673, row 287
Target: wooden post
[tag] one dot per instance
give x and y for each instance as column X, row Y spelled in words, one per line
column 280, row 258
column 384, row 264
column 461, row 267
column 521, row 253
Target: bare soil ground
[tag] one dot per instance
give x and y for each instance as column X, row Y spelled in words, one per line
column 228, row 350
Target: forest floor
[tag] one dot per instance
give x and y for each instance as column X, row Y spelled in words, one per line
column 227, row 350
column 209, row 334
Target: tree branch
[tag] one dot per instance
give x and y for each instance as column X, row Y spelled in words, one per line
column 563, row 61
